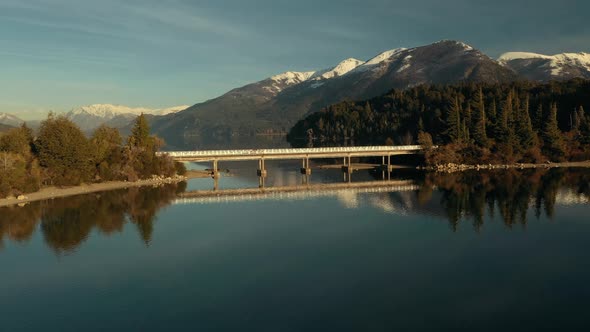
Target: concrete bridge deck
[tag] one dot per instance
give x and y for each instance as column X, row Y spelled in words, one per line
column 305, row 154
column 274, row 154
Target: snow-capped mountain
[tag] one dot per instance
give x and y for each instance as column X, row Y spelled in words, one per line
column 340, row 69
column 278, row 83
column 90, row 117
column 276, row 103
column 10, row 120
column 542, row 67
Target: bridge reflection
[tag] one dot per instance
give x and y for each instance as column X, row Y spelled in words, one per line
column 302, row 192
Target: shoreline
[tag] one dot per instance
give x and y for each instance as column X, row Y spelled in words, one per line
column 451, row 168
column 47, row 193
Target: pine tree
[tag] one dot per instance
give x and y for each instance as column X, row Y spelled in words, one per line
column 524, row 127
column 553, row 145
column 140, row 134
column 453, row 123
column 577, row 117
column 465, row 134
column 492, row 119
column 538, row 119
column 584, row 129
column 468, row 115
column 503, row 131
column 479, row 128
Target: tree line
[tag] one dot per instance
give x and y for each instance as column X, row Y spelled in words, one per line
column 471, row 122
column 61, row 155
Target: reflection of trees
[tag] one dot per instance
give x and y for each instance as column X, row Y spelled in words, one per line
column 510, row 193
column 18, row 223
column 67, row 222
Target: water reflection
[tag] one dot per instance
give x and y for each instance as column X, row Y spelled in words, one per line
column 67, row 222
column 515, row 197
column 508, row 193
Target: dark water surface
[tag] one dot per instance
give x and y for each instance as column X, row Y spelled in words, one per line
column 502, row 250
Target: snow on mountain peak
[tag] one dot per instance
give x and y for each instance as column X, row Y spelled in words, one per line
column 292, row 77
column 11, row 120
column 521, row 56
column 342, row 68
column 556, row 62
column 384, row 57
column 281, row 81
column 109, row 111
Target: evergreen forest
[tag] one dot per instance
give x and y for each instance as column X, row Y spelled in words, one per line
column 471, row 123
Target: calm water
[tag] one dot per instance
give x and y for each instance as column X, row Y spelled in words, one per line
column 475, row 251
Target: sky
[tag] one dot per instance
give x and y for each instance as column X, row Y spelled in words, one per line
column 59, row 54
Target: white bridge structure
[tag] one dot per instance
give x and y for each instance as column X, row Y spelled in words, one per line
column 304, row 154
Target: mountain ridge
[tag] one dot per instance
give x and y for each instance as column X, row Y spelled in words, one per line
column 273, row 105
column 541, row 67
column 90, row 117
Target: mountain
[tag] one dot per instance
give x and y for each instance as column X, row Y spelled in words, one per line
column 275, row 104
column 10, row 120
column 539, row 67
column 91, row 117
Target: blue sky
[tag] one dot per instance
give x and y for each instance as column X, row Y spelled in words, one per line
column 58, row 54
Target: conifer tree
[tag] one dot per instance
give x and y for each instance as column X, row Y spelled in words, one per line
column 140, row 134
column 553, row 145
column 577, row 117
column 538, row 119
column 584, row 129
column 479, row 128
column 492, row 119
column 465, row 134
column 524, row 127
column 453, row 131
column 504, row 116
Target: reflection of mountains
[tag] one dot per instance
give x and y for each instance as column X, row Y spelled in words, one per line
column 509, row 195
column 67, row 222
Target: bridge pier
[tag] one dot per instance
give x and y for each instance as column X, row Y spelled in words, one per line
column 347, row 167
column 261, row 170
column 305, row 169
column 215, row 173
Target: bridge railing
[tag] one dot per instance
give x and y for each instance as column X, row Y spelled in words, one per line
column 257, row 152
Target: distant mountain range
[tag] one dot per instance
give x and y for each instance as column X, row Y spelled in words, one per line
column 92, row 116
column 273, row 105
column 10, row 120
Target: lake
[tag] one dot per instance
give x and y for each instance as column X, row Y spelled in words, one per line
column 495, row 250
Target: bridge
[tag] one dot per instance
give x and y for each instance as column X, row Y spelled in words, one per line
column 304, row 154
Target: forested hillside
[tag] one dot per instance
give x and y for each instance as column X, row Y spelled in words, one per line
column 473, row 123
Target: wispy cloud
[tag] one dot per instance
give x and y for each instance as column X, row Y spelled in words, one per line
column 152, row 21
